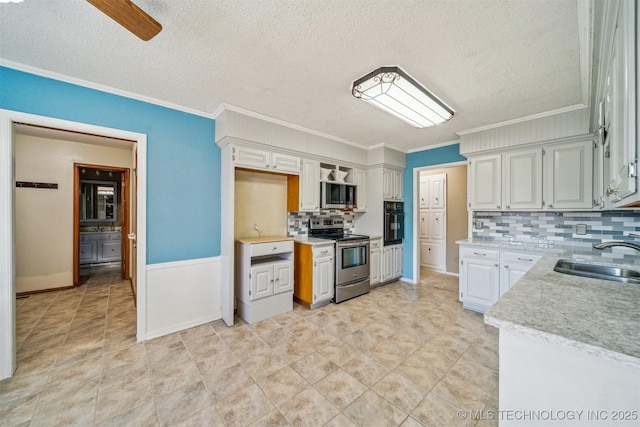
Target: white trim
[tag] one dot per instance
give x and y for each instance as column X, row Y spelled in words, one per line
column 404, row 279
column 7, row 241
column 387, row 145
column 7, row 264
column 585, row 35
column 523, row 119
column 181, row 327
column 260, row 116
column 102, row 88
column 416, row 211
column 183, row 263
column 431, row 147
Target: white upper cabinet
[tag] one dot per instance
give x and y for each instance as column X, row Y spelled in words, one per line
column 617, row 92
column 285, row 163
column 425, row 196
column 437, row 193
column 360, row 179
column 484, row 182
column 310, row 185
column 523, row 179
column 264, row 159
column 568, row 170
column 392, row 184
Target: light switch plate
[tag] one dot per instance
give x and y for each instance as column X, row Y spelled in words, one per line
column 581, row 229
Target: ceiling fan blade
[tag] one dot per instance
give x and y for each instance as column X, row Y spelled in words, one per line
column 130, row 16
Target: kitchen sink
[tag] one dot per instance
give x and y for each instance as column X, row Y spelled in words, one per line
column 596, row 271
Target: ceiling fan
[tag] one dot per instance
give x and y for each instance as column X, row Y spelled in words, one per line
column 130, row 16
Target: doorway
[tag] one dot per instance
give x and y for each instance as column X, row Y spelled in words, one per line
column 451, row 211
column 9, row 120
column 101, row 218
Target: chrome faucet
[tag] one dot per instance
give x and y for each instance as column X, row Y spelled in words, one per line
column 613, row 243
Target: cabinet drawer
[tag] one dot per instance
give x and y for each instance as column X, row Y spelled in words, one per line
column 375, row 244
column 271, row 248
column 322, row 251
column 520, row 257
column 480, row 253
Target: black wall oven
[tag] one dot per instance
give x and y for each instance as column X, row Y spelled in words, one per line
column 393, row 223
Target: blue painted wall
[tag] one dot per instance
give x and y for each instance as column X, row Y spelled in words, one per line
column 183, row 161
column 434, row 157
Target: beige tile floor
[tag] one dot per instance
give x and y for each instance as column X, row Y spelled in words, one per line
column 402, row 355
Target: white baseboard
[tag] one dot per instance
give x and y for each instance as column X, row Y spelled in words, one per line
column 181, row 295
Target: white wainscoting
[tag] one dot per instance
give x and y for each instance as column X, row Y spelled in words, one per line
column 181, row 295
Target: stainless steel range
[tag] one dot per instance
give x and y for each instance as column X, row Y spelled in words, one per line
column 352, row 257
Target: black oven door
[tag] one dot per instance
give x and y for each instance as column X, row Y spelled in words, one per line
column 393, row 228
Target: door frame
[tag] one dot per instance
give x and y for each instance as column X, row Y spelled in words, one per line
column 416, row 212
column 124, row 197
column 7, row 222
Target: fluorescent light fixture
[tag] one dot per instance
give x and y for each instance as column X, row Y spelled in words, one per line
column 394, row 91
column 11, row 1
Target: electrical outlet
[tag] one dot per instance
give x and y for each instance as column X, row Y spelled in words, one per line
column 478, row 225
column 581, row 229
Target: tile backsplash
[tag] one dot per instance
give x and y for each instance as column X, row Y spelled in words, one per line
column 557, row 227
column 298, row 222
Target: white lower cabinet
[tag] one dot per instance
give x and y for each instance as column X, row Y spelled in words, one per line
column 264, row 278
column 391, row 267
column 486, row 274
column 323, row 278
column 514, row 265
column 374, row 261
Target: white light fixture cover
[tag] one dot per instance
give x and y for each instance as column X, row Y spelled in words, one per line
column 394, row 91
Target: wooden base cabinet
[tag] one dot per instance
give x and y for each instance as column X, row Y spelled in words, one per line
column 264, row 279
column 314, row 274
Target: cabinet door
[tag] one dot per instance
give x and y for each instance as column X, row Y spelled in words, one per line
column 88, row 252
column 374, row 266
column 387, row 263
column 437, row 224
column 285, row 163
column 484, row 182
column 111, row 250
column 620, row 108
column 479, row 283
column 397, row 261
column 514, row 266
column 523, row 179
column 244, row 156
column 360, row 179
column 431, row 255
column 568, row 169
column 387, row 184
column 283, row 277
column 438, row 192
column 310, row 185
column 323, row 279
column 425, row 183
column 397, row 185
column 261, row 281
column 425, row 230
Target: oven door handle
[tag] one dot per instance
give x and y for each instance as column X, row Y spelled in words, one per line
column 353, row 244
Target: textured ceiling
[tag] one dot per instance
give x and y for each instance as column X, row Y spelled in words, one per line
column 295, row 60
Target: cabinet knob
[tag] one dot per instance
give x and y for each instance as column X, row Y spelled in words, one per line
column 508, row 207
column 498, row 206
column 506, row 266
column 495, row 265
column 550, row 205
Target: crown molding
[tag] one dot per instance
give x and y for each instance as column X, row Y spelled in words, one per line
column 284, row 123
column 431, row 147
column 102, row 88
column 523, row 119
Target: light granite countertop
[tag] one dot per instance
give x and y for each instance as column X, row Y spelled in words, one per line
column 313, row 241
column 266, row 239
column 598, row 317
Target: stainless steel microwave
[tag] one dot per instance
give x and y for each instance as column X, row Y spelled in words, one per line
column 338, row 195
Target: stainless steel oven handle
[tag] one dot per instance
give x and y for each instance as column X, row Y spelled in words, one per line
column 352, row 244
